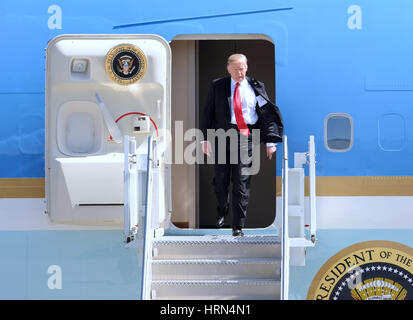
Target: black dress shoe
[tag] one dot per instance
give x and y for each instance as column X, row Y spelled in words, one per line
column 221, row 217
column 237, row 232
column 220, row 221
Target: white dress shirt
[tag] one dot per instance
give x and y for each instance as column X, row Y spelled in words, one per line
column 248, row 102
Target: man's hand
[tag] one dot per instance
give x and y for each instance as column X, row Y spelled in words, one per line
column 270, row 151
column 206, row 148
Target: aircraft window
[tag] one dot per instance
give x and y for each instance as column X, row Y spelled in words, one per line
column 338, row 132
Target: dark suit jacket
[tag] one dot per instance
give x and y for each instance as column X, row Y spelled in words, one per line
column 217, row 110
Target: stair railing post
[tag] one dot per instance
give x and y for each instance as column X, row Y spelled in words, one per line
column 130, row 189
column 147, row 229
column 312, row 183
column 285, row 268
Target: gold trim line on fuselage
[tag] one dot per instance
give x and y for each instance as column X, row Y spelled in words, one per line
column 349, row 186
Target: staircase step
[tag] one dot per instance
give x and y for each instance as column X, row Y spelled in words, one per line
column 212, row 246
column 210, row 269
column 244, row 289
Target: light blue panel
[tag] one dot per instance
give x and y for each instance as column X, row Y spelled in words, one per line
column 392, row 132
column 331, row 242
column 31, row 134
column 94, row 265
column 13, row 267
column 22, row 135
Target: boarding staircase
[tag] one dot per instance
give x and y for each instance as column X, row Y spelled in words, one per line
column 216, row 267
column 191, row 265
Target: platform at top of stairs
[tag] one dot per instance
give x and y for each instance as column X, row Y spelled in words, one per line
column 215, row 246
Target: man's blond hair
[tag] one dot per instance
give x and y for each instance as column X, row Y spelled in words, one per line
column 237, row 57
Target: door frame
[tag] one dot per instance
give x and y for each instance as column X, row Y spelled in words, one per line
column 193, row 219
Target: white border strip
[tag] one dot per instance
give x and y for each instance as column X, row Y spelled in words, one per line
column 362, row 212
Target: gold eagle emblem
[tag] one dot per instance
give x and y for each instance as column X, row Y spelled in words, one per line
column 125, row 64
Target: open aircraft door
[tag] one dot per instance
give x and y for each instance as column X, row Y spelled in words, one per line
column 102, row 90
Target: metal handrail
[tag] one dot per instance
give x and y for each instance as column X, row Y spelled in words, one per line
column 285, row 248
column 139, row 226
column 130, row 178
column 312, row 183
column 147, row 236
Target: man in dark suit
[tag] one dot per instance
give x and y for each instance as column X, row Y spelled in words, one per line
column 240, row 103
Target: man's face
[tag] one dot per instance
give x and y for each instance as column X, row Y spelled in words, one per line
column 237, row 70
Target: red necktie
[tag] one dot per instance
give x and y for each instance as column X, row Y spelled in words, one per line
column 242, row 126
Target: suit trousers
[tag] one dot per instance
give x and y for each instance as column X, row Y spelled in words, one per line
column 233, row 168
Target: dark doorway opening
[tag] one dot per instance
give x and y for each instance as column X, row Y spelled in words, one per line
column 198, row 204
